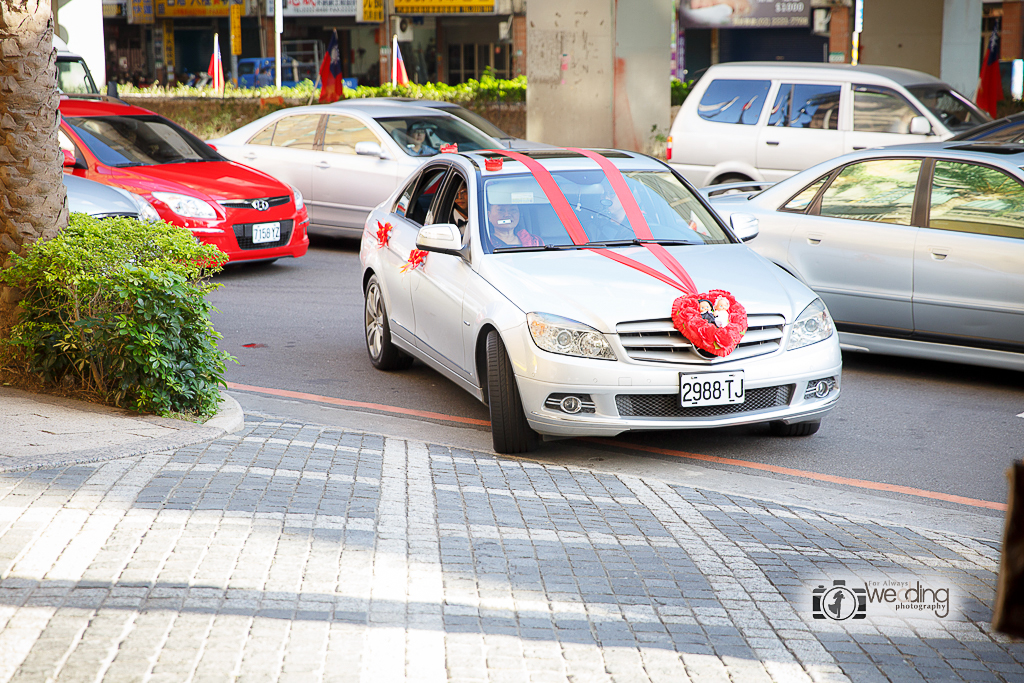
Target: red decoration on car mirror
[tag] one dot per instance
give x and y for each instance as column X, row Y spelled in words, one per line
column 493, row 164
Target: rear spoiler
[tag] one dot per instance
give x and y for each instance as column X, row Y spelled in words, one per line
column 745, row 187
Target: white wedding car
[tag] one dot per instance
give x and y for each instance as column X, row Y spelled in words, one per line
column 548, row 295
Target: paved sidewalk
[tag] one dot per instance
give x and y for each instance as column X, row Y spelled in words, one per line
column 37, row 430
column 293, row 552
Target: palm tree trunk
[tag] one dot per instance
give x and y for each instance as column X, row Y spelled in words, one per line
column 32, row 196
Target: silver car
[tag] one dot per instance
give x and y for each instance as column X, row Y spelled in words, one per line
column 545, row 283
column 105, row 201
column 345, row 159
column 917, row 250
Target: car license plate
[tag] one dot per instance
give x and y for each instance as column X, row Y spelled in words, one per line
column 711, row 388
column 266, row 232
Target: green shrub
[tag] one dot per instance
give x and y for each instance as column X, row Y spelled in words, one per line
column 680, row 89
column 117, row 306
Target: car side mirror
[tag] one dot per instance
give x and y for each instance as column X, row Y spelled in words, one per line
column 367, row 148
column 444, row 238
column 744, row 226
column 919, row 126
column 69, row 158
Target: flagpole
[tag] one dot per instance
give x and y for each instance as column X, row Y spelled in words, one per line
column 394, row 61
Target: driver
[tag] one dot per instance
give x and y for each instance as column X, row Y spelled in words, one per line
column 417, row 145
column 503, row 223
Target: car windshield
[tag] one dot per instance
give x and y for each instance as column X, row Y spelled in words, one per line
column 474, row 119
column 139, row 140
column 422, row 136
column 518, row 216
column 954, row 110
column 1008, row 132
column 73, row 77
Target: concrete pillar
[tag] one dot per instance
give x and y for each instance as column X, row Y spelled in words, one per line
column 598, row 72
column 961, row 44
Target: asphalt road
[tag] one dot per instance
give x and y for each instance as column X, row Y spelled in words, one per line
column 297, row 325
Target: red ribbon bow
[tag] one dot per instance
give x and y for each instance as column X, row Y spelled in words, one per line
column 383, row 234
column 416, row 259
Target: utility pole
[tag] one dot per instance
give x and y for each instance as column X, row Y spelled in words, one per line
column 278, row 30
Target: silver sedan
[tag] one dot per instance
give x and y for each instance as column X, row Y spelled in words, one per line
column 917, row 250
column 590, row 293
column 345, row 159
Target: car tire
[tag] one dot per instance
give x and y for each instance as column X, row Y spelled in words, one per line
column 384, row 355
column 797, row 429
column 510, row 432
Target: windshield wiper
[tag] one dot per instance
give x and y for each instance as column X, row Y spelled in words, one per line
column 539, row 247
column 638, row 243
column 182, row 161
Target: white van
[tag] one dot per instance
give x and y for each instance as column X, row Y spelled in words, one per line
column 73, row 76
column 724, row 133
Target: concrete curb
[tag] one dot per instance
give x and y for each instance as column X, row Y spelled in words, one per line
column 229, row 418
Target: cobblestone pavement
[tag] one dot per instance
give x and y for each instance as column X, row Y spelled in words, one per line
column 294, row 552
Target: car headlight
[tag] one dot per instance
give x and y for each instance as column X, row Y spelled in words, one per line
column 299, row 203
column 560, row 335
column 146, row 210
column 812, row 326
column 185, row 205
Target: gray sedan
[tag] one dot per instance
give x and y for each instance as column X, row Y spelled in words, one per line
column 346, row 159
column 916, row 250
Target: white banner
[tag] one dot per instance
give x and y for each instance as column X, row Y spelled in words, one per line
column 311, row 8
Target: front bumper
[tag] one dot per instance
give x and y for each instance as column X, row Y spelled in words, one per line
column 223, row 234
column 636, row 396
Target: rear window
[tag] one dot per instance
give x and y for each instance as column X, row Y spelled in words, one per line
column 733, row 101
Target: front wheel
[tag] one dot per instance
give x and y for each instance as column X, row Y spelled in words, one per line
column 510, row 432
column 797, row 429
column 384, row 355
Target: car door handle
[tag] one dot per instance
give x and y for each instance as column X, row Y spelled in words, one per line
column 772, row 143
column 855, row 147
column 813, row 239
column 250, row 156
column 939, row 253
column 323, row 164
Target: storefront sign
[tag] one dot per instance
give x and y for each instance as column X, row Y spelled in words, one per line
column 192, row 8
column 743, row 14
column 169, row 44
column 140, row 11
column 444, row 7
column 236, row 29
column 370, row 11
column 311, row 8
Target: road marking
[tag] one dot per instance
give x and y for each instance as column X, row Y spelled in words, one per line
column 1020, row 415
column 845, row 481
column 357, row 404
column 775, row 469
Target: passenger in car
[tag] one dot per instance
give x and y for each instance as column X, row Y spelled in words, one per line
column 503, row 223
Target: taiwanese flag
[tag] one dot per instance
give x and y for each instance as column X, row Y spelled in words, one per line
column 398, row 74
column 331, row 88
column 990, row 86
column 216, row 68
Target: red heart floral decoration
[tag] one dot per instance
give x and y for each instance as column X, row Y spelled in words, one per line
column 713, row 321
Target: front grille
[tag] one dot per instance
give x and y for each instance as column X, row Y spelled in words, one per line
column 667, row 405
column 243, row 233
column 659, row 341
column 247, row 203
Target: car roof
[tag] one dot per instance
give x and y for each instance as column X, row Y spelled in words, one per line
column 1002, row 154
column 998, row 124
column 559, row 159
column 411, row 101
column 904, row 77
column 77, row 106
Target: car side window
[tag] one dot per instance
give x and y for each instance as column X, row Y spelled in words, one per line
column 419, row 204
column 402, row 205
column 265, row 136
column 978, row 199
column 880, row 190
column 733, row 101
column 881, row 110
column 803, row 199
column 297, row 132
column 804, row 105
column 453, row 205
column 343, row 132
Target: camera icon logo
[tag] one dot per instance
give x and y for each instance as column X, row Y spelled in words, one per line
column 839, row 602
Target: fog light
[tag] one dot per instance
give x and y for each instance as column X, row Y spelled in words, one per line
column 820, row 388
column 571, row 404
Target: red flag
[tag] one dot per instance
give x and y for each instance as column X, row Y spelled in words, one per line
column 331, row 87
column 990, row 85
column 216, row 68
column 398, row 73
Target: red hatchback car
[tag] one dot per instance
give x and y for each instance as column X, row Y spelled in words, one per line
column 246, row 213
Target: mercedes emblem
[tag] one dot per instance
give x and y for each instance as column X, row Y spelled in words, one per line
column 260, row 204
